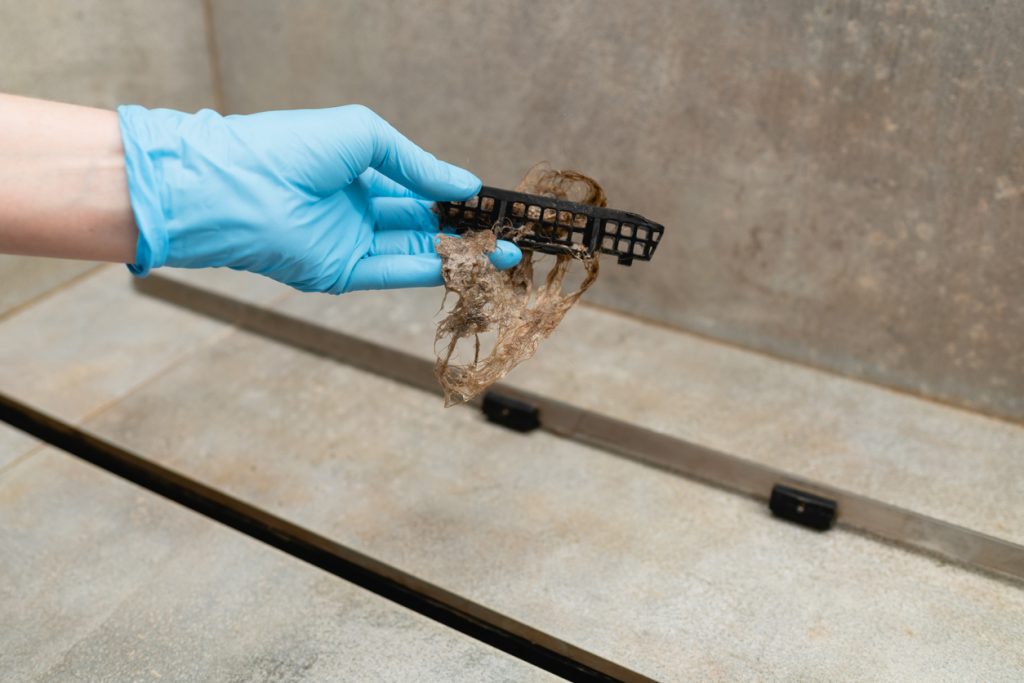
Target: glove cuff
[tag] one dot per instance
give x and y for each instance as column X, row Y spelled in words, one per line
column 145, row 142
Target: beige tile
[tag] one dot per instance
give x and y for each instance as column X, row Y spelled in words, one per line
column 23, row 279
column 657, row 573
column 947, row 463
column 106, row 52
column 93, row 343
column 841, row 185
column 103, row 581
column 13, row 445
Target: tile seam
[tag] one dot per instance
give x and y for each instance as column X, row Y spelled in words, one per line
column 51, row 292
column 213, row 55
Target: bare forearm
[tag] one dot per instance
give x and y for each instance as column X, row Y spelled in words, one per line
column 63, row 190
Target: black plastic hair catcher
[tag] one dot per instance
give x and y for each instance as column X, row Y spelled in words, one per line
column 554, row 226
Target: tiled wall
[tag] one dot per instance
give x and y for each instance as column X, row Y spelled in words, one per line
column 106, row 52
column 98, row 53
column 842, row 182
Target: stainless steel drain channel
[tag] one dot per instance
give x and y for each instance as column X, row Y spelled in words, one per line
column 857, row 512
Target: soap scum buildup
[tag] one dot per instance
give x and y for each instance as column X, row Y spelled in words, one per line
column 506, row 303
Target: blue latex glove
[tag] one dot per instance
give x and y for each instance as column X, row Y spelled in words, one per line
column 326, row 200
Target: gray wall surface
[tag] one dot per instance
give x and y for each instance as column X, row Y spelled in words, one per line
column 842, row 182
column 106, row 52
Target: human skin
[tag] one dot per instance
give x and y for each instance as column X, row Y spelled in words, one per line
column 63, row 188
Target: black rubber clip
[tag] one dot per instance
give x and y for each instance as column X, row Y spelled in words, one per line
column 803, row 508
column 508, row 412
column 554, row 226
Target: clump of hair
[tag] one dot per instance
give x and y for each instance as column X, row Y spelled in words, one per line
column 507, row 303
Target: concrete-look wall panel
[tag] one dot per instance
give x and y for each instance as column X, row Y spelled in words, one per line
column 106, row 52
column 842, row 182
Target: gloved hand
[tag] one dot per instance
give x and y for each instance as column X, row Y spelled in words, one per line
column 327, row 200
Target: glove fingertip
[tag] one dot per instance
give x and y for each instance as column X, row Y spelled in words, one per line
column 506, row 255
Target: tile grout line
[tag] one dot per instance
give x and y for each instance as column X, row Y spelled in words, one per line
column 213, row 55
column 6, row 468
column 176, row 362
column 73, row 281
column 30, row 303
